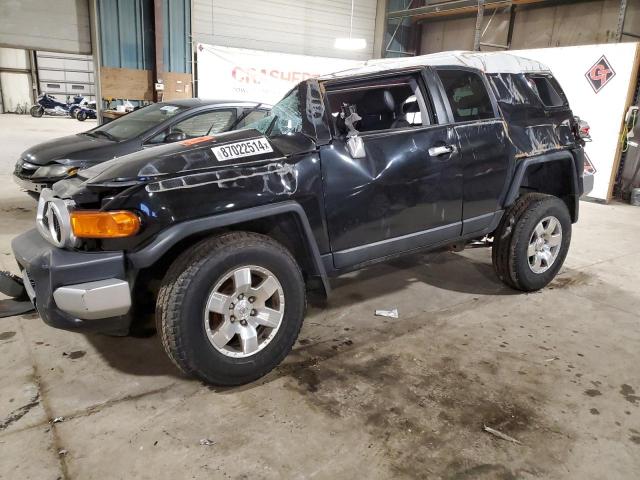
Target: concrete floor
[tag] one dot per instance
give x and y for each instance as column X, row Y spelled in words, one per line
column 360, row 396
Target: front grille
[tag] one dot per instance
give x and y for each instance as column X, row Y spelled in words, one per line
column 56, row 227
column 45, row 222
column 53, row 219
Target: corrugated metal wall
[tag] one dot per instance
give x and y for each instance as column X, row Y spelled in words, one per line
column 307, row 27
column 126, row 33
column 177, row 35
column 62, row 25
column 127, row 39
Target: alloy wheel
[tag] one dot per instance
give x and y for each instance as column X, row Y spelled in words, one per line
column 544, row 244
column 244, row 311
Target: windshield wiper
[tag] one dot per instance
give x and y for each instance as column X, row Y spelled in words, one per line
column 267, row 132
column 243, row 116
column 106, row 135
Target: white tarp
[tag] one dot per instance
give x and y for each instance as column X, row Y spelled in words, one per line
column 596, row 79
column 226, row 73
column 598, row 91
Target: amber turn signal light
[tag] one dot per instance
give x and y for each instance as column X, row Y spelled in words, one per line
column 97, row 224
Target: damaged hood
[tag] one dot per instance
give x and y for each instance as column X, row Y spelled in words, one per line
column 202, row 153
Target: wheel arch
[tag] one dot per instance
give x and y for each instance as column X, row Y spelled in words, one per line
column 554, row 173
column 285, row 222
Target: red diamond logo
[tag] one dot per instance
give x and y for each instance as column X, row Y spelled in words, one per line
column 600, row 74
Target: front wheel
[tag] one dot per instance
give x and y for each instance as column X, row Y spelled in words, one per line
column 37, row 111
column 230, row 308
column 532, row 241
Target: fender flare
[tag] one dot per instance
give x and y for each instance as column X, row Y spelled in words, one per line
column 148, row 255
column 523, row 165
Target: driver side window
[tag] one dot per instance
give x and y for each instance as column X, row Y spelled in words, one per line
column 388, row 104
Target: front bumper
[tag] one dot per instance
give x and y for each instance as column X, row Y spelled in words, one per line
column 73, row 290
column 29, row 185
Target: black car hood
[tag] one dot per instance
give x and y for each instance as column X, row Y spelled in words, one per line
column 72, row 147
column 188, row 156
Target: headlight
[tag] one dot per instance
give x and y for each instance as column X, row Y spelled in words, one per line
column 54, row 171
column 27, row 166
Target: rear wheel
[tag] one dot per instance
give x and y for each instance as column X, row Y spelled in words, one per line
column 230, row 308
column 37, row 111
column 81, row 115
column 532, row 241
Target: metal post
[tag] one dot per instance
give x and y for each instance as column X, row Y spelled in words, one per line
column 380, row 29
column 512, row 19
column 33, row 75
column 479, row 18
column 95, row 50
column 159, row 48
column 622, row 13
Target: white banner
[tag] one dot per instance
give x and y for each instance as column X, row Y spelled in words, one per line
column 226, row 73
column 596, row 79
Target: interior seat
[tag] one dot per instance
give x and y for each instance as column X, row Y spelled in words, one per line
column 377, row 110
column 401, row 120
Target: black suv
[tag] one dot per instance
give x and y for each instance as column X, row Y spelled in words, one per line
column 222, row 236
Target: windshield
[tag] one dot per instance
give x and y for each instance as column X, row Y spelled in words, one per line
column 137, row 122
column 285, row 117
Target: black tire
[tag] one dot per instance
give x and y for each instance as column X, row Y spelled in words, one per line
column 37, row 111
column 511, row 240
column 184, row 292
column 81, row 116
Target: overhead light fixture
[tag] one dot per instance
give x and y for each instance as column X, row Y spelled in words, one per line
column 350, row 43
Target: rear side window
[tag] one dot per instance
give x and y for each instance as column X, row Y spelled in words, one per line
column 546, row 90
column 467, row 95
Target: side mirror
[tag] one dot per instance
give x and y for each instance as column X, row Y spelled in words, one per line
column 355, row 145
column 175, row 137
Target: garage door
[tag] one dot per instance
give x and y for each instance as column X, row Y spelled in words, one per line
column 65, row 75
column 306, row 27
column 62, row 25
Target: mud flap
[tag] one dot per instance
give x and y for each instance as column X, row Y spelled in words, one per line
column 12, row 286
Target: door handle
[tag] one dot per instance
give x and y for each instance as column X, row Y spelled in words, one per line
column 441, row 150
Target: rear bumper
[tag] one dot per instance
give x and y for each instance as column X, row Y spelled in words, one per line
column 587, row 184
column 72, row 290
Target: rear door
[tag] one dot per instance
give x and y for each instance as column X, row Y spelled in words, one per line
column 406, row 192
column 484, row 146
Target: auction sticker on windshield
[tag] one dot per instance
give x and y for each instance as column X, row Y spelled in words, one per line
column 246, row 148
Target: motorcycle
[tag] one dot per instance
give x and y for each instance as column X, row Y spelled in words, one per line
column 49, row 105
column 75, row 107
column 86, row 111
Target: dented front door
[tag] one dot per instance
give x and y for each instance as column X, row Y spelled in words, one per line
column 405, row 193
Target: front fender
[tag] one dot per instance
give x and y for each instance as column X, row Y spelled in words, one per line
column 167, row 238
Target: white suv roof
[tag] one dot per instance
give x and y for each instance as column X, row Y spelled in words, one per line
column 488, row 62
